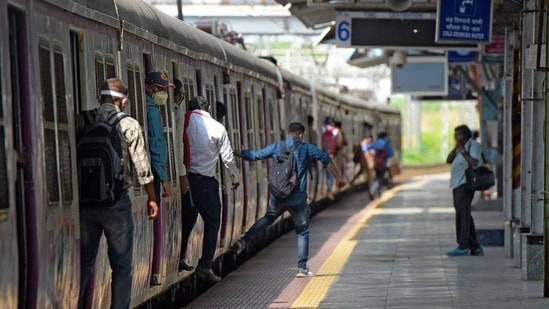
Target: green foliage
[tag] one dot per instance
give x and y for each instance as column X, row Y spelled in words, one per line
column 437, row 125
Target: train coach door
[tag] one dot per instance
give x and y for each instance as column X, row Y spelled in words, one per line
column 20, row 249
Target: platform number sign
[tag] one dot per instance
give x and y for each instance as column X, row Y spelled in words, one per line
column 343, row 29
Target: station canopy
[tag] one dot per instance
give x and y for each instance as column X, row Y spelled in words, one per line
column 321, row 14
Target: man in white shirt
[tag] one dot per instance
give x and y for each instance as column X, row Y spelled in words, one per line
column 205, row 141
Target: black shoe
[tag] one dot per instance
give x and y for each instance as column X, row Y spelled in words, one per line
column 207, row 273
column 184, row 266
column 238, row 246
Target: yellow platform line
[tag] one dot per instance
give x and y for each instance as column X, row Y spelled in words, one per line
column 319, row 285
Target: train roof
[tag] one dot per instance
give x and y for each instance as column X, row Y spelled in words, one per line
column 357, row 102
column 145, row 21
column 295, row 80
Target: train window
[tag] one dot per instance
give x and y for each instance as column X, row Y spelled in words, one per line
column 249, row 112
column 49, row 124
column 136, row 109
column 270, row 117
column 76, row 56
column 260, row 118
column 109, row 67
column 137, row 96
column 233, row 119
column 210, row 96
column 188, row 88
column 99, row 72
column 63, row 129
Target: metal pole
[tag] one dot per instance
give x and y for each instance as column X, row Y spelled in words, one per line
column 179, row 10
column 546, row 204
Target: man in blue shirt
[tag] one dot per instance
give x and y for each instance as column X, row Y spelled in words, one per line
column 156, row 88
column 296, row 203
column 383, row 151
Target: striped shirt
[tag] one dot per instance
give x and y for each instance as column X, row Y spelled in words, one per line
column 133, row 145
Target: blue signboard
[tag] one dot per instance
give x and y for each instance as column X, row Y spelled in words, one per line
column 462, row 56
column 464, row 21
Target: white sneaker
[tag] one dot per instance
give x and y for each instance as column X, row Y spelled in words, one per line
column 304, row 272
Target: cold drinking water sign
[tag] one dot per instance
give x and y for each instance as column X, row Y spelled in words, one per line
column 464, row 21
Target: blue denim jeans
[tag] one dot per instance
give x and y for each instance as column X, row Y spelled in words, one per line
column 329, row 180
column 117, row 224
column 378, row 182
column 300, row 215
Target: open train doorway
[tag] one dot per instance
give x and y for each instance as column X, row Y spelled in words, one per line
column 22, row 143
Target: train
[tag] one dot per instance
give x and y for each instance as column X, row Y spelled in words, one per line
column 54, row 57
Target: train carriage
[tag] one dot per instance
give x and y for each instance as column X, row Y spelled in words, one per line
column 60, row 53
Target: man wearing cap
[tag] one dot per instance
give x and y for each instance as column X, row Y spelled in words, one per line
column 156, row 88
column 116, row 222
column 205, row 141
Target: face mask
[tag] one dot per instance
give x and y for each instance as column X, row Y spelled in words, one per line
column 161, row 97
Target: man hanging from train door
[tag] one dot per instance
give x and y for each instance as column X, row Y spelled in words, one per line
column 116, row 221
column 156, row 89
column 331, row 143
column 205, row 141
column 383, row 151
column 296, row 202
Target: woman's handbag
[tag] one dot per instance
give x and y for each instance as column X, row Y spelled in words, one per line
column 479, row 178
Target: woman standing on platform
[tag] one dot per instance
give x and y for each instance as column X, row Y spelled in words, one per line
column 466, row 152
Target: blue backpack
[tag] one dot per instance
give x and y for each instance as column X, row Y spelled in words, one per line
column 282, row 176
column 100, row 160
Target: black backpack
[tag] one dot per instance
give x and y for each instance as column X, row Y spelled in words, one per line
column 100, row 160
column 282, row 176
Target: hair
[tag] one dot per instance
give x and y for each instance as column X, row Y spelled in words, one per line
column 464, row 130
column 296, row 127
column 382, row 135
column 198, row 103
column 114, row 84
column 178, row 85
column 329, row 120
column 220, row 110
column 337, row 124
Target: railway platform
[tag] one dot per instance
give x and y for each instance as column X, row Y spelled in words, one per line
column 386, row 253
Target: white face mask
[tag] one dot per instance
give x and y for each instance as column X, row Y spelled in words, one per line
column 160, row 97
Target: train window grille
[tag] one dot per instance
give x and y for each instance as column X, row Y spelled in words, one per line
column 190, row 88
column 99, row 71
column 49, row 124
column 271, row 119
column 210, row 93
column 235, row 123
column 249, row 112
column 109, row 67
column 136, row 111
column 260, row 116
column 135, row 93
column 76, row 69
column 64, row 149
